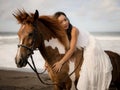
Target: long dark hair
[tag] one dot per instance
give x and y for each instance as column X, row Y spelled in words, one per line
column 68, row 31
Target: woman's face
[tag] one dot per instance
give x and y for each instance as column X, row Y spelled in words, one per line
column 63, row 21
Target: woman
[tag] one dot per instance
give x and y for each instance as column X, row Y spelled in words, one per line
column 96, row 69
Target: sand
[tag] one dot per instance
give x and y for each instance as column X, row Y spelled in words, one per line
column 19, row 80
column 16, row 80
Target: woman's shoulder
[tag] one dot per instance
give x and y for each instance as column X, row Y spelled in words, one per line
column 75, row 29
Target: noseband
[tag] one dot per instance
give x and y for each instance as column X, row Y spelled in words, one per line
column 30, row 49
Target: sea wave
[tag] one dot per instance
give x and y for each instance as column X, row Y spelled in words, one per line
column 108, row 37
column 98, row 37
column 8, row 37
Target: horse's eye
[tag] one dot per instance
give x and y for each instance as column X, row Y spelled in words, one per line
column 30, row 34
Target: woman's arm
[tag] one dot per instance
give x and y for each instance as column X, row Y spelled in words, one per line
column 74, row 34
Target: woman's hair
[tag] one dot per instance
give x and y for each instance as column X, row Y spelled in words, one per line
column 56, row 15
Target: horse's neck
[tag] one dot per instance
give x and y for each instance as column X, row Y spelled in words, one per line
column 62, row 42
column 48, row 35
column 55, row 43
column 52, row 50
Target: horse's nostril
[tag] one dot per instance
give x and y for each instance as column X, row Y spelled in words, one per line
column 20, row 62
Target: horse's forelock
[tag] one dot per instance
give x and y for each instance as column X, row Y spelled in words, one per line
column 23, row 17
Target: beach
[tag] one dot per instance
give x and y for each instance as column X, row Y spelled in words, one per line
column 13, row 78
column 16, row 80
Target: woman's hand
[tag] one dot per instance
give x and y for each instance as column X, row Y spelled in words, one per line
column 45, row 66
column 57, row 66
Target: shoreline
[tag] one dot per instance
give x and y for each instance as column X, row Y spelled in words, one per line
column 99, row 35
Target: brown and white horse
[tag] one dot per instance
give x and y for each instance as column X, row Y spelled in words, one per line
column 46, row 34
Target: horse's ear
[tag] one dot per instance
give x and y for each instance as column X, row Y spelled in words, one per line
column 36, row 15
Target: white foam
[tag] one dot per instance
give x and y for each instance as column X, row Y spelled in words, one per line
column 8, row 37
column 108, row 37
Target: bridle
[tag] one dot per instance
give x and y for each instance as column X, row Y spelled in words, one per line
column 31, row 49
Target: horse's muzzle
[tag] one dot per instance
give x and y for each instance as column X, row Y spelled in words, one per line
column 21, row 62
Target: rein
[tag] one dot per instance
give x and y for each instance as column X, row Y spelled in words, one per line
column 33, row 67
column 35, row 70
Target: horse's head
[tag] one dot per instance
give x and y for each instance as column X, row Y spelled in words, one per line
column 27, row 36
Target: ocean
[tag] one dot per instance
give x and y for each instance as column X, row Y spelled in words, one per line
column 9, row 41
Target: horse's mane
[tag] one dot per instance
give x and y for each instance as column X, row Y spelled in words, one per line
column 23, row 17
column 53, row 26
column 51, row 23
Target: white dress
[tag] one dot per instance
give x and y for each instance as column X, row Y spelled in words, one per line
column 96, row 69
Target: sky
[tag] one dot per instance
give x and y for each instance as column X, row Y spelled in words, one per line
column 89, row 15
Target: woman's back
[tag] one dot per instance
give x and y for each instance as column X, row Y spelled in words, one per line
column 83, row 39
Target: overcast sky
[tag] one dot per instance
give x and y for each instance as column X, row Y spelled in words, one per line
column 89, row 15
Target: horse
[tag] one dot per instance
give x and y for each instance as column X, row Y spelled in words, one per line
column 46, row 34
column 115, row 60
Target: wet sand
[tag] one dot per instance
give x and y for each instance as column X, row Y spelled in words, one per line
column 16, row 80
column 19, row 80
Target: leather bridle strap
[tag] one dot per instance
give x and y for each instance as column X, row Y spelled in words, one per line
column 30, row 49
